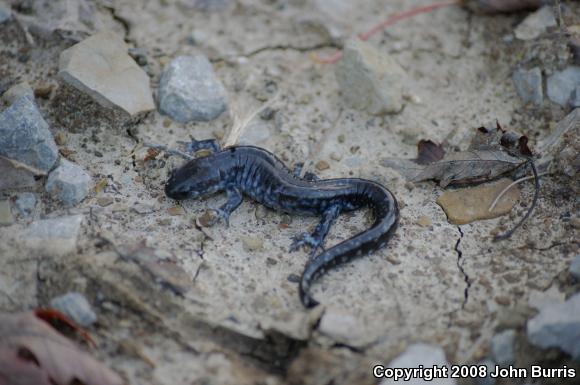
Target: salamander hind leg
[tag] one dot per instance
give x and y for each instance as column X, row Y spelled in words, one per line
column 234, row 196
column 316, row 239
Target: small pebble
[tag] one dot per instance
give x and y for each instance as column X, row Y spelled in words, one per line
column 393, row 259
column 322, row 165
column 25, row 203
column 424, row 221
column 175, row 210
column 271, row 261
column 60, row 138
column 105, row 201
column 6, row 217
column 252, row 244
column 503, row 300
column 75, row 306
column 335, row 156
column 294, row 278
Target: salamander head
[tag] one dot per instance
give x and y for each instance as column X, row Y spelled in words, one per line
column 195, row 179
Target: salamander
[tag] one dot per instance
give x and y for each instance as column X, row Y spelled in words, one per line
column 260, row 175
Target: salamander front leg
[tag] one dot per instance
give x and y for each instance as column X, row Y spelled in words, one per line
column 206, row 144
column 234, row 196
column 316, row 239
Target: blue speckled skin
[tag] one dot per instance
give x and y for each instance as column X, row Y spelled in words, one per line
column 258, row 174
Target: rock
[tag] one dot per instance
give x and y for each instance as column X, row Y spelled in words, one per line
column 420, row 354
column 369, row 80
column 536, row 24
column 575, row 101
column 341, row 326
column 6, row 217
column 16, row 92
column 322, row 165
column 101, row 68
column 558, row 325
column 424, row 221
column 487, row 380
column 575, row 268
column 540, row 299
column 25, row 203
column 76, row 307
column 471, row 204
column 25, row 138
column 14, row 177
column 53, row 237
column 562, row 84
column 69, row 183
column 252, row 244
column 503, row 348
column 189, row 90
column 5, row 12
column 528, row 85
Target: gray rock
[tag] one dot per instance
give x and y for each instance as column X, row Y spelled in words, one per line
column 6, row 217
column 24, row 136
column 101, row 68
column 528, row 84
column 14, row 177
column 76, row 307
column 487, row 380
column 69, row 183
column 503, row 347
column 420, row 354
column 5, row 12
column 53, row 237
column 575, row 268
column 369, row 80
column 25, row 203
column 536, row 24
column 189, row 90
column 575, row 101
column 558, row 325
column 561, row 85
column 341, row 326
column 16, row 92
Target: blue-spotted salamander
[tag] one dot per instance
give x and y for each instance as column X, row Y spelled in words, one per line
column 259, row 174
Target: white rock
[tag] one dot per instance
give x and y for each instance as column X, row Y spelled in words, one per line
column 558, row 325
column 370, row 80
column 75, row 306
column 53, row 237
column 101, row 67
column 536, row 24
column 68, row 182
column 421, row 354
column 341, row 326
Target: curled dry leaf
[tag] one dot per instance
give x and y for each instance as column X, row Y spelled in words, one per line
column 32, row 352
column 492, row 152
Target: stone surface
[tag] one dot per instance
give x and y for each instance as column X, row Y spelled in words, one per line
column 53, row 237
column 190, row 91
column 575, row 101
column 25, row 203
column 14, row 177
column 341, row 326
column 503, row 347
column 24, row 136
column 69, row 183
column 16, row 91
column 536, row 24
column 369, row 80
column 100, row 67
column 558, row 325
column 575, row 268
column 528, row 84
column 5, row 11
column 75, row 306
column 471, row 204
column 561, row 85
column 6, row 217
column 420, row 354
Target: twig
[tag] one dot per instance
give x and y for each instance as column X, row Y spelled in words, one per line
column 509, row 233
column 239, row 125
column 494, row 203
column 390, row 21
column 168, row 150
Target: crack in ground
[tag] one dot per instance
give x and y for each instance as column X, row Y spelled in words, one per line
column 460, row 267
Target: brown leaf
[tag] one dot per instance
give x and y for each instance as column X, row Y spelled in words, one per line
column 31, row 352
column 429, row 152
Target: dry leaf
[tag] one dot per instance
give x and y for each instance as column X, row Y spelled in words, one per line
column 32, row 352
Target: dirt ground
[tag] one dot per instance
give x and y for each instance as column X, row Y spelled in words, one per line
column 236, row 317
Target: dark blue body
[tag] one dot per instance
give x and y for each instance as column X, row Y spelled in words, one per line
column 257, row 173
